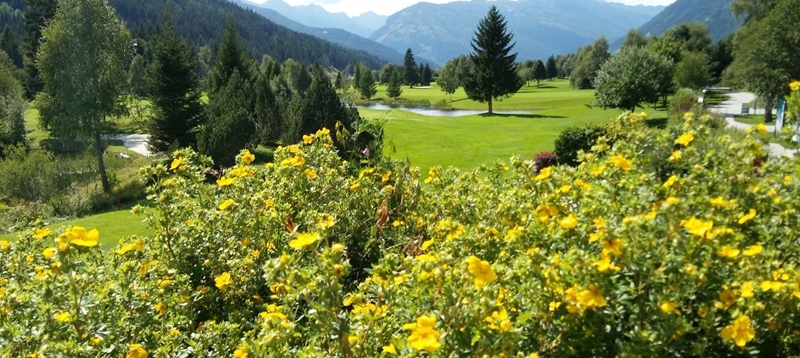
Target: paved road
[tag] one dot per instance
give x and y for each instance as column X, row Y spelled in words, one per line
column 134, row 142
column 733, row 106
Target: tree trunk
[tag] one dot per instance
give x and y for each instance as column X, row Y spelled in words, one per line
column 490, row 106
column 768, row 109
column 101, row 165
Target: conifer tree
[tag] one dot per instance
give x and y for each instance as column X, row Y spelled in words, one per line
column 395, row 85
column 495, row 74
column 357, row 77
column 539, row 72
column 337, row 84
column 136, row 77
column 426, row 76
column 410, row 70
column 322, row 108
column 37, row 14
column 266, row 114
column 551, row 67
column 230, row 57
column 231, row 126
column 175, row 91
column 367, row 85
column 9, row 43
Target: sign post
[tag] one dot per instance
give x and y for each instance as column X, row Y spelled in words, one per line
column 781, row 117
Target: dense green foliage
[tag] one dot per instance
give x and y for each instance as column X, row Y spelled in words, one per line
column 588, row 60
column 394, row 89
column 37, row 14
column 679, row 256
column 494, row 75
column 12, row 110
column 631, row 77
column 693, row 71
column 9, row 43
column 410, row 72
column 87, row 41
column 573, row 140
column 175, row 93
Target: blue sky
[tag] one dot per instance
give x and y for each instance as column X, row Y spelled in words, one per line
column 388, row 7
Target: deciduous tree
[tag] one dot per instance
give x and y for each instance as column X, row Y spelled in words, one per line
column 495, row 74
column 448, row 78
column 693, row 71
column 630, row 78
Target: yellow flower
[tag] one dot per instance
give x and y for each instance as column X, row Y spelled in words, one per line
column 620, row 162
column 178, row 165
column 95, row 340
column 423, row 335
column 138, row 246
column 226, row 204
column 697, row 227
column 685, row 139
column 669, row 307
column 136, row 351
column 702, row 311
column 426, row 244
column 599, row 170
column 4, row 245
column 304, row 240
column 323, row 131
column 240, row 352
column 728, row 252
column 794, row 86
column 688, row 116
column 670, row 181
column 79, row 237
column 762, row 129
column 747, row 289
column 720, row 202
column 673, row 201
column 605, row 264
column 161, row 308
column 727, row 296
column 62, row 317
column 307, row 139
column 740, row 331
column 499, row 320
column 50, row 252
column 247, row 157
column 569, row 222
column 753, row 250
column 388, row 349
column 676, row 155
column 771, row 285
column 294, row 162
column 545, row 212
column 225, row 181
column 613, row 247
column 554, row 306
column 482, row 270
column 223, row 281
column 385, row 177
column 747, row 217
column 311, row 174
column 41, row 233
column 543, row 174
column 564, row 189
column 591, row 297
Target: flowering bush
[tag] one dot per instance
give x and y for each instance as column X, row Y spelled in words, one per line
column 668, row 243
column 544, row 160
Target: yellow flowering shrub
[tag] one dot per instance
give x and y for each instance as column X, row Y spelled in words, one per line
column 635, row 252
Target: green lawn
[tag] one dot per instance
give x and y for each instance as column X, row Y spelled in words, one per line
column 467, row 142
column 751, row 119
column 715, row 98
column 112, row 226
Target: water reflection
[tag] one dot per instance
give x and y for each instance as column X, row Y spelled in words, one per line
column 432, row 112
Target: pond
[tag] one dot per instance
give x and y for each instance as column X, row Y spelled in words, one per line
column 433, row 112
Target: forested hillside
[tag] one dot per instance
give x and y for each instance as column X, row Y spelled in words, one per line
column 714, row 13
column 202, row 22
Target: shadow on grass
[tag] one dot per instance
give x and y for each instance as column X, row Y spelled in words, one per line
column 659, row 123
column 527, row 116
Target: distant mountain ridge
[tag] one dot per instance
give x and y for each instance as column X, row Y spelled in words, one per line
column 316, row 16
column 337, row 36
column 714, row 13
column 541, row 27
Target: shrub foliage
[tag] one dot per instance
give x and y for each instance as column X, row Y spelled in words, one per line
column 305, row 258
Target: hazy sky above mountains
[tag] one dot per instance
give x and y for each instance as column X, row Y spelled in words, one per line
column 388, row 7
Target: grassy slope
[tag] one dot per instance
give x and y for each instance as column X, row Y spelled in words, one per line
column 112, row 226
column 466, row 142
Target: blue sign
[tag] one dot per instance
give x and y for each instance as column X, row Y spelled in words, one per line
column 745, row 110
column 781, row 115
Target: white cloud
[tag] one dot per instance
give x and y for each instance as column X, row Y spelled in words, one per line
column 388, row 7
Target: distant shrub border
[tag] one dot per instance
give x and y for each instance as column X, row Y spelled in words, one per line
column 304, row 258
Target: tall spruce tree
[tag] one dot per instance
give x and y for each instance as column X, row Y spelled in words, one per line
column 175, row 91
column 322, row 108
column 231, row 126
column 366, row 84
column 410, row 70
column 394, row 90
column 136, row 77
column 266, row 113
column 495, row 74
column 37, row 14
column 539, row 72
column 426, row 76
column 551, row 67
column 230, row 57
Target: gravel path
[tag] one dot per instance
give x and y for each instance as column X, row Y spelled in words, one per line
column 733, row 106
column 134, row 142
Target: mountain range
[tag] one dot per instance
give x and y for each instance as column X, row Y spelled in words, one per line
column 714, row 13
column 541, row 27
column 335, row 35
column 316, row 16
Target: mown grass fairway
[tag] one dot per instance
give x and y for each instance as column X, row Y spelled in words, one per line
column 467, row 142
column 112, row 226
